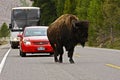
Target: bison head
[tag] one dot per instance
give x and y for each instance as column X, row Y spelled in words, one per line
column 80, row 29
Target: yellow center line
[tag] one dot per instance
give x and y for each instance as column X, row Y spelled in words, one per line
column 77, row 55
column 113, row 66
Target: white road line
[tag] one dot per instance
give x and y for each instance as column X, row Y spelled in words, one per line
column 3, row 60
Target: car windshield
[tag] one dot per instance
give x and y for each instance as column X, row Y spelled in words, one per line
column 35, row 32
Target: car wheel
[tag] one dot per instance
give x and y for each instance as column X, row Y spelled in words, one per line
column 22, row 54
column 51, row 54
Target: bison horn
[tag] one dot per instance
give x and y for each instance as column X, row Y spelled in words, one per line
column 73, row 23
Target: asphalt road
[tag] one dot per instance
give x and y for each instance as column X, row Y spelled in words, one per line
column 90, row 64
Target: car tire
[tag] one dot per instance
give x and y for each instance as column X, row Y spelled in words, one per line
column 22, row 54
column 51, row 54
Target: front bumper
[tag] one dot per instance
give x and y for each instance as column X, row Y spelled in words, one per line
column 36, row 48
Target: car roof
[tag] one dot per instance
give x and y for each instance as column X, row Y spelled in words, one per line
column 36, row 27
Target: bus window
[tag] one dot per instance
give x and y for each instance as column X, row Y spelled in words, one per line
column 24, row 16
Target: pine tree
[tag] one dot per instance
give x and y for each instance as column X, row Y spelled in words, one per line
column 82, row 9
column 48, row 11
column 69, row 6
column 95, row 17
column 4, row 31
column 59, row 7
column 111, row 9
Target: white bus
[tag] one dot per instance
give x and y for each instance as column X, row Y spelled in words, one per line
column 22, row 17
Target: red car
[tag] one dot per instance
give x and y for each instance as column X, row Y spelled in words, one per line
column 34, row 40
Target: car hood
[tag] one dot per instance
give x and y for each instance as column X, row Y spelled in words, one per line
column 36, row 38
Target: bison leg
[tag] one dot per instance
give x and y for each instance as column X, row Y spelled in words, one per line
column 61, row 53
column 70, row 55
column 55, row 52
column 58, row 51
column 55, row 57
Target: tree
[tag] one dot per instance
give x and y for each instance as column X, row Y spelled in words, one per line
column 24, row 3
column 82, row 9
column 69, row 7
column 48, row 11
column 4, row 31
column 59, row 7
column 111, row 9
column 96, row 19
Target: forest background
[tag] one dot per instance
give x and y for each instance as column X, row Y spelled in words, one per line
column 103, row 15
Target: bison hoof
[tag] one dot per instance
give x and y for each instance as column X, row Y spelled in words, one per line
column 60, row 61
column 71, row 61
column 56, row 61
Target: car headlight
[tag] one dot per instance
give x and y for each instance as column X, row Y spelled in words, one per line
column 26, row 42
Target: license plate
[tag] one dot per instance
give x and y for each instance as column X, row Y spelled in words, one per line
column 41, row 48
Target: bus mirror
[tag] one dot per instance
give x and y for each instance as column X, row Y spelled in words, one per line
column 19, row 35
column 10, row 26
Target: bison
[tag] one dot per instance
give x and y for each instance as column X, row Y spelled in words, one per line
column 67, row 31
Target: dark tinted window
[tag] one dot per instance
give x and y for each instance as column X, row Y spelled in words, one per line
column 19, row 14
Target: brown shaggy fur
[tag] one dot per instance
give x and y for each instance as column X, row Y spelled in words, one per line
column 67, row 31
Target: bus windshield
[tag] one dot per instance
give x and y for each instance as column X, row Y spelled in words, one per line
column 24, row 16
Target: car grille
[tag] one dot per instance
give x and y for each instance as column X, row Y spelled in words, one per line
column 41, row 43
